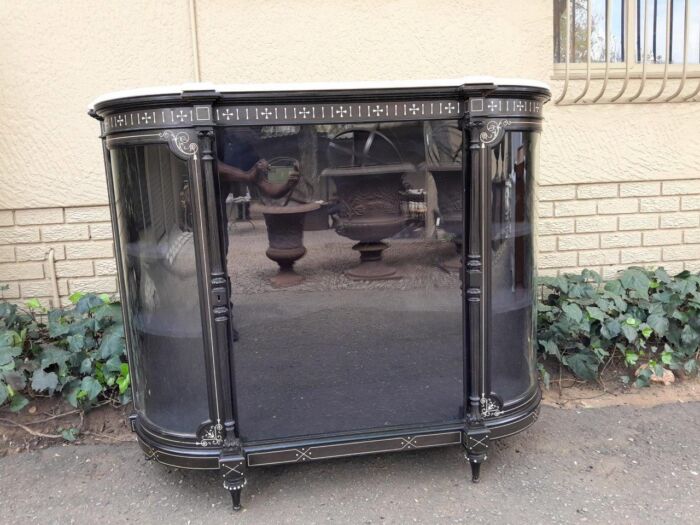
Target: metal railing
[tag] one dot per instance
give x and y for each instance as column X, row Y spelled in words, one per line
column 637, row 65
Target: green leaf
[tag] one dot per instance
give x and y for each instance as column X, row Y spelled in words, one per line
column 584, row 365
column 52, row 355
column 573, row 312
column 662, row 276
column 545, row 375
column 646, row 330
column 33, row 304
column 637, row 280
column 75, row 297
column 631, row 358
column 630, row 332
column 658, row 323
column 113, row 364
column 91, row 387
column 44, row 381
column 76, row 343
column 112, row 342
column 610, row 329
column 18, row 402
column 666, row 358
column 86, row 366
column 124, row 382
column 551, row 348
column 105, row 298
column 689, row 336
column 614, row 287
column 595, row 313
column 690, row 366
column 70, row 434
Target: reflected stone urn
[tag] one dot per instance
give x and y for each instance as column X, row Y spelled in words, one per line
column 443, row 143
column 369, row 211
column 285, row 233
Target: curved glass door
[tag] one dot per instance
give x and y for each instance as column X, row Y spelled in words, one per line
column 512, row 165
column 152, row 191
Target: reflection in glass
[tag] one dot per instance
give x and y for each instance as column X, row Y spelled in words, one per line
column 334, row 352
column 154, row 214
column 512, row 167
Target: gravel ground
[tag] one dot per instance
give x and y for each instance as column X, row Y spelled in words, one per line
column 606, row 465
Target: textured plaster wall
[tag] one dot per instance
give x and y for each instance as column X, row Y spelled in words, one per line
column 57, row 56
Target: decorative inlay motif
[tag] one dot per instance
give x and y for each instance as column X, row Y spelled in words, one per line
column 321, row 113
column 211, row 435
column 493, row 130
column 392, row 444
column 505, row 107
column 490, row 407
column 181, row 141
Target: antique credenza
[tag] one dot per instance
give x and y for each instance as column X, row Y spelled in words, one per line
column 318, row 271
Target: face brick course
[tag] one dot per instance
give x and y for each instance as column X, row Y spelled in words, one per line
column 605, row 227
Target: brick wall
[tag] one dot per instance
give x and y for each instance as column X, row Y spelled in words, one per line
column 604, row 227
column 81, row 238
column 610, row 226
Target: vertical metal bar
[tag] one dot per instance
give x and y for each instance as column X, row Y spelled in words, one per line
column 685, row 52
column 655, row 22
column 608, row 24
column 566, row 62
column 588, row 53
column 195, row 40
column 644, row 55
column 625, row 46
column 668, row 53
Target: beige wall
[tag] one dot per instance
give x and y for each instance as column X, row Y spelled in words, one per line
column 55, row 57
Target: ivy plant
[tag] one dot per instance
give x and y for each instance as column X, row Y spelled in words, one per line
column 646, row 319
column 77, row 352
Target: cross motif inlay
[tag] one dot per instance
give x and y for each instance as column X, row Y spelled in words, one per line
column 146, row 118
column 182, row 116
column 493, row 105
column 228, row 114
column 304, row 112
column 378, row 110
column 121, row 120
column 266, row 113
column 449, row 107
column 341, row 111
column 519, row 106
column 414, row 109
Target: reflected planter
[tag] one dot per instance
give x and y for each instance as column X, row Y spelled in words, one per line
column 285, row 232
column 370, row 211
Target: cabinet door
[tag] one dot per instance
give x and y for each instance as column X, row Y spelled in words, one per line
column 343, row 257
column 153, row 206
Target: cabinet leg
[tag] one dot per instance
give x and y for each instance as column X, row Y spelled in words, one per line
column 476, row 443
column 476, row 470
column 235, row 486
column 236, row 497
column 233, row 472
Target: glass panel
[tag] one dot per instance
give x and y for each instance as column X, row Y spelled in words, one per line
column 578, row 30
column 154, row 214
column 513, row 314
column 342, row 252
